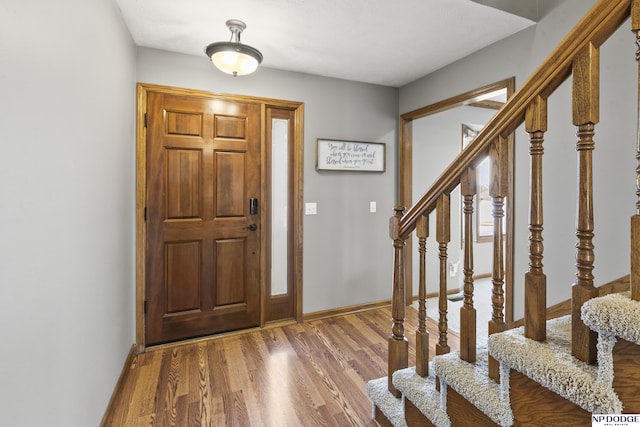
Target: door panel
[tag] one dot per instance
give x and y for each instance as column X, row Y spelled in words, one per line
column 230, row 127
column 183, row 171
column 229, row 268
column 230, row 176
column 203, row 260
column 183, row 276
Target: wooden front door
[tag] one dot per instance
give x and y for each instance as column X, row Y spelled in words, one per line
column 203, row 231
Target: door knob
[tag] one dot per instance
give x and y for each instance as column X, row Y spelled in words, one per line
column 253, row 227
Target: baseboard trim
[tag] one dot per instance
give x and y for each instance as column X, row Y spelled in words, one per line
column 118, row 389
column 435, row 294
column 345, row 310
column 619, row 285
column 564, row 308
column 453, row 290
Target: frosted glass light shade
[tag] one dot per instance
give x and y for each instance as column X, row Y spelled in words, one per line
column 234, row 58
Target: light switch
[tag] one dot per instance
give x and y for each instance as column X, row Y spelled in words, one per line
column 310, row 208
column 372, row 207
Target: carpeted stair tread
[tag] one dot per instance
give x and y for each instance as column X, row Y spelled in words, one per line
column 551, row 364
column 421, row 391
column 614, row 314
column 472, row 382
column 392, row 407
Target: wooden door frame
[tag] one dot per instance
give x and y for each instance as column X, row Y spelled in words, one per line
column 296, row 168
column 405, row 154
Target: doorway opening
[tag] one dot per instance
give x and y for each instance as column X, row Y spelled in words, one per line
column 451, row 120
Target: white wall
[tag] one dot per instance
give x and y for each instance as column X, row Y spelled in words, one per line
column 347, row 252
column 614, row 164
column 67, row 71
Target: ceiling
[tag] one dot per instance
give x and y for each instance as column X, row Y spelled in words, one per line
column 386, row 42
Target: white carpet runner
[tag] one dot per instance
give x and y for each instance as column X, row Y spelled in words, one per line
column 549, row 363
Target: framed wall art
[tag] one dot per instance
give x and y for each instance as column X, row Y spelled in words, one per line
column 340, row 155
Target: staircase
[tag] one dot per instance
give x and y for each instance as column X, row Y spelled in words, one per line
column 548, row 371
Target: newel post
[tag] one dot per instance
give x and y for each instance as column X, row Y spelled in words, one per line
column 398, row 343
column 635, row 219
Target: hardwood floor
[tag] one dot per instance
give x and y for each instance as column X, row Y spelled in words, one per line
column 308, row 374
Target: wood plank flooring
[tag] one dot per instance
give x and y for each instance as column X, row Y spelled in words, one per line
column 308, row 374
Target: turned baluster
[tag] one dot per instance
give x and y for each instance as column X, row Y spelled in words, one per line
column 467, row 311
column 422, row 336
column 635, row 219
column 535, row 279
column 498, row 191
column 398, row 343
column 585, row 116
column 443, row 237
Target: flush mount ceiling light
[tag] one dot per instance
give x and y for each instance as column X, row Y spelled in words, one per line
column 233, row 57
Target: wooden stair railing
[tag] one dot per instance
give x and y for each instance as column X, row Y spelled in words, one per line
column 586, row 82
column 443, row 237
column 398, row 343
column 422, row 336
column 498, row 191
column 468, row 312
column 535, row 281
column 578, row 56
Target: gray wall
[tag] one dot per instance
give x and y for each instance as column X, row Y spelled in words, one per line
column 67, row 209
column 437, row 140
column 614, row 179
column 347, row 253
